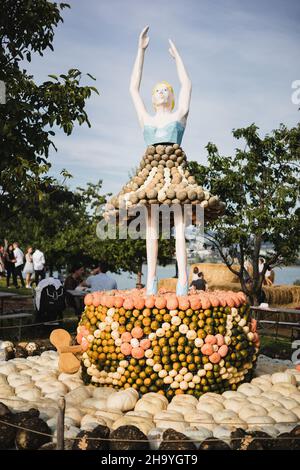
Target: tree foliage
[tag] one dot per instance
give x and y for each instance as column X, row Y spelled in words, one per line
column 31, row 111
column 260, row 184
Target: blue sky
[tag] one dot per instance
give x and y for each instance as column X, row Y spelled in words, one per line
column 242, row 58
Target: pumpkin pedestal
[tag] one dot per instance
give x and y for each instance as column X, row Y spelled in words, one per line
column 205, row 342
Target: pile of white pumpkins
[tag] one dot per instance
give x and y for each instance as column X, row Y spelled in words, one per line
column 270, row 403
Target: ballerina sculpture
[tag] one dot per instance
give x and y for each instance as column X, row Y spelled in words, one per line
column 162, row 177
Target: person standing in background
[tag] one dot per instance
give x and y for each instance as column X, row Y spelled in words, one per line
column 9, row 263
column 2, row 266
column 38, row 260
column 19, row 264
column 28, row 268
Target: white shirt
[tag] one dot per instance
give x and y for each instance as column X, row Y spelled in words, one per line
column 19, row 257
column 38, row 260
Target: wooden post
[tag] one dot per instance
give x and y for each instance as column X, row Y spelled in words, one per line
column 61, row 424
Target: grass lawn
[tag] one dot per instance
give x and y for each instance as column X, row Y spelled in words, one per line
column 13, row 290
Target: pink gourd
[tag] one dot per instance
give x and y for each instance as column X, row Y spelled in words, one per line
column 223, row 350
column 220, row 339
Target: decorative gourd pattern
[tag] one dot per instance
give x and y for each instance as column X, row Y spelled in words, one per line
column 205, row 342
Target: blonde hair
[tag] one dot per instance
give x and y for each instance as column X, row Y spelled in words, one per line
column 167, row 84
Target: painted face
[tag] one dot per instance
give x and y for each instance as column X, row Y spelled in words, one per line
column 161, row 96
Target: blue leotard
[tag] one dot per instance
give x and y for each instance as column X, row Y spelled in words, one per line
column 172, row 132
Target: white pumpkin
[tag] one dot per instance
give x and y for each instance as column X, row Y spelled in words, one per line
column 281, row 415
column 185, row 399
column 143, row 424
column 143, row 414
column 200, row 419
column 70, row 432
column 223, row 433
column 271, row 394
column 8, row 368
column 230, row 394
column 151, row 405
column 88, row 422
column 198, row 435
column 155, row 437
column 97, row 403
column 102, row 392
column 6, row 391
column 295, row 396
column 210, row 407
column 109, row 414
column 283, row 377
column 284, row 388
column 74, row 414
column 78, row 395
column 263, row 384
column 252, row 410
column 181, row 407
column 124, row 400
column 211, row 396
column 157, row 396
column 249, row 390
column 284, row 427
column 296, row 411
column 15, row 379
column 288, row 402
column 235, row 404
column 229, row 417
column 52, row 387
column 32, row 394
column 72, row 384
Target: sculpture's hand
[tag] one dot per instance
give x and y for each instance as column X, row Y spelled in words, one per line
column 173, row 51
column 144, row 39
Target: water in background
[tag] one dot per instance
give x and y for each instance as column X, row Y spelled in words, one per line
column 284, row 275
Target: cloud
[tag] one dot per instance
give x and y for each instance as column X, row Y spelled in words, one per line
column 242, row 58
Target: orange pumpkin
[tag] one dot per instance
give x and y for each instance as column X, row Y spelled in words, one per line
column 126, row 337
column 205, row 302
column 150, row 301
column 110, row 301
column 172, row 302
column 145, row 343
column 195, row 302
column 96, row 299
column 207, row 349
column 160, row 302
column 137, row 332
column 88, row 300
column 126, row 349
column 215, row 358
column 183, row 302
column 210, row 339
column 139, row 303
column 138, row 353
column 214, row 300
column 128, row 304
column 118, row 302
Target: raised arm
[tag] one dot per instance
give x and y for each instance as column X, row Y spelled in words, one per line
column 186, row 84
column 136, row 77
